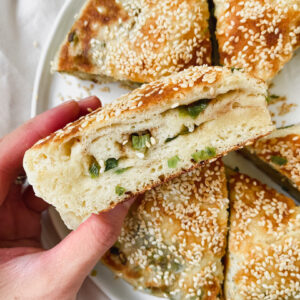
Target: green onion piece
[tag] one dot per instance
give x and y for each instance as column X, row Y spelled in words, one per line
column 171, row 138
column 94, row 169
column 176, row 267
column 139, row 141
column 172, row 162
column 278, row 160
column 273, row 96
column 119, row 190
column 111, row 163
column 233, row 68
column 194, row 109
column 122, row 170
column 184, row 130
column 269, row 98
column 207, row 153
column 287, row 126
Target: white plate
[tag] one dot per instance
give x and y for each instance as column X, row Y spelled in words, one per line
column 49, row 89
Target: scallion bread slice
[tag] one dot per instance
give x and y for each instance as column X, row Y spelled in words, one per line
column 146, row 137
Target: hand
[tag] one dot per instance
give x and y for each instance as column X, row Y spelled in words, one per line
column 26, row 270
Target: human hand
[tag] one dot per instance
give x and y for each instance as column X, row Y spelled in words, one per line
column 26, row 270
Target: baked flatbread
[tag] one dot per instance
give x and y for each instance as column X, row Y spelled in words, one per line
column 174, row 237
column 263, row 259
column 257, row 35
column 137, row 41
column 278, row 155
column 152, row 134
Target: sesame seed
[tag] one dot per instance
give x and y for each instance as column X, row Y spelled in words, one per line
column 152, row 140
column 140, row 155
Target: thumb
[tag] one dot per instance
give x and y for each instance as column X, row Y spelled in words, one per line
column 78, row 253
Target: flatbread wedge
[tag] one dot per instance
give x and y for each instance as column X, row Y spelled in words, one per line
column 146, row 137
column 259, row 36
column 136, row 41
column 263, row 258
column 278, row 155
column 174, row 237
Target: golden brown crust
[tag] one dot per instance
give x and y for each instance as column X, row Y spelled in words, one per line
column 160, row 94
column 179, row 228
column 125, row 40
column 257, row 35
column 264, row 242
column 282, row 153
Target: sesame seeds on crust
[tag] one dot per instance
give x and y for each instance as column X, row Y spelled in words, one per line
column 264, row 244
column 176, row 235
column 137, row 41
column 285, row 147
column 258, row 35
column 160, row 95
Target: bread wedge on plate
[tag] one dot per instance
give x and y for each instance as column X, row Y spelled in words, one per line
column 278, row 155
column 156, row 132
column 136, row 41
column 174, row 237
column 259, row 36
column 263, row 256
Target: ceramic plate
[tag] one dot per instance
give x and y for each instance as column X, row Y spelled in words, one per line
column 52, row 89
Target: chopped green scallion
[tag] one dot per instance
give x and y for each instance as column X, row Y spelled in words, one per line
column 207, row 153
column 94, row 169
column 111, row 163
column 193, row 109
column 173, row 161
column 139, row 141
column 122, row 170
column 119, row 190
column 278, row 160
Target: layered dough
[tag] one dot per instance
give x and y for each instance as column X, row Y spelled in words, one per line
column 145, row 138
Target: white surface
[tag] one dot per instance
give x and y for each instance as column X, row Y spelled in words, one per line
column 24, row 28
column 49, row 88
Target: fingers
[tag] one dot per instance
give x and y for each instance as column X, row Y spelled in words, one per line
column 77, row 254
column 33, row 202
column 14, row 145
column 89, row 104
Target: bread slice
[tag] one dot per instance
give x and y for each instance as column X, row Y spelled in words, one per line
column 174, row 237
column 257, row 35
column 278, row 155
column 263, row 259
column 152, row 134
column 137, row 41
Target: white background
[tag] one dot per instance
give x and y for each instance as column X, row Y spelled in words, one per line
column 24, row 29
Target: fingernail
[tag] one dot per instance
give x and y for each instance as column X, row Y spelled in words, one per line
column 88, row 98
column 68, row 102
column 128, row 203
